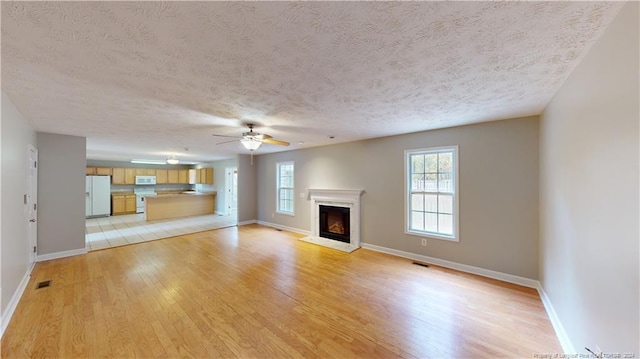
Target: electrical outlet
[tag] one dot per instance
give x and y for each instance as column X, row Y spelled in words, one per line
column 273, row 215
column 424, row 242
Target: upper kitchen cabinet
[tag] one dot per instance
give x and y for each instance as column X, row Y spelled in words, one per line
column 206, row 175
column 124, row 176
column 183, row 176
column 118, row 176
column 129, row 176
column 145, row 172
column 161, row 176
column 173, row 176
column 99, row 171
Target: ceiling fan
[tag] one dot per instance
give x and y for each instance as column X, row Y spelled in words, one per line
column 253, row 140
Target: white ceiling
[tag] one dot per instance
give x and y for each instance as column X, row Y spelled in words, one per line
column 144, row 79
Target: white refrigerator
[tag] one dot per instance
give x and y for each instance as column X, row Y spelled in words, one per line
column 98, row 196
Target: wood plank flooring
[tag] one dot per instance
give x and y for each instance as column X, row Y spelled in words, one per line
column 256, row 292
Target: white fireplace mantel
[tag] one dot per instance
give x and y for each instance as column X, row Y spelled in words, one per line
column 337, row 198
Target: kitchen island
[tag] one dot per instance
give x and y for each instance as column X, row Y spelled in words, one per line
column 174, row 205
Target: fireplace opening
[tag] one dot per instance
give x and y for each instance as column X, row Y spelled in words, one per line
column 334, row 223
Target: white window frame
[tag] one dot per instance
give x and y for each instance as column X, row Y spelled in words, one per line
column 407, row 190
column 279, row 165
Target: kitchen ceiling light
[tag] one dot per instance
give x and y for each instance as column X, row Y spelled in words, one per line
column 172, row 160
column 251, row 144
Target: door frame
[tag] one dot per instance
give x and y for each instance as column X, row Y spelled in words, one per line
column 31, row 204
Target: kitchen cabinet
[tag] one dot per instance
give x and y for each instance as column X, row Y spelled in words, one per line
column 118, row 176
column 130, row 203
column 183, row 176
column 123, row 204
column 118, row 204
column 172, row 176
column 104, row 171
column 99, row 171
column 129, row 176
column 206, row 175
column 192, row 176
column 145, row 172
column 161, row 176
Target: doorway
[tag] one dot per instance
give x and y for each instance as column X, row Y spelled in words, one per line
column 31, row 205
column 231, row 191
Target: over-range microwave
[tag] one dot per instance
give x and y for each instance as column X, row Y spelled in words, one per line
column 145, row 180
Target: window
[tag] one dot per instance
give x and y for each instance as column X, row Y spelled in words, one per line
column 285, row 187
column 432, row 192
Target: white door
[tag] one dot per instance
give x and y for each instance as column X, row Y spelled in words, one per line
column 231, row 184
column 31, row 203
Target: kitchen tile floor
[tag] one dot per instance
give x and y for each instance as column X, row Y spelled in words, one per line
column 114, row 231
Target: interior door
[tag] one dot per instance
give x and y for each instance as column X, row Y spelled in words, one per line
column 31, row 203
column 231, row 184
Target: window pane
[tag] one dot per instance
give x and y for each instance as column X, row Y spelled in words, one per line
column 445, row 162
column 417, row 221
column 445, row 224
column 445, row 204
column 417, row 183
column 417, row 163
column 445, row 184
column 431, row 163
column 431, row 203
column 417, row 202
column 431, row 222
column 431, row 183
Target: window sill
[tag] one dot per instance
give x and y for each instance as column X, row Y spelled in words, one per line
column 433, row 236
column 291, row 214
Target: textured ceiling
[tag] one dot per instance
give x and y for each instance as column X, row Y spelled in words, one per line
column 143, row 79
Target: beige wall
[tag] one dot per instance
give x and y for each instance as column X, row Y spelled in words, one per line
column 498, row 191
column 16, row 136
column 589, row 194
column 61, row 193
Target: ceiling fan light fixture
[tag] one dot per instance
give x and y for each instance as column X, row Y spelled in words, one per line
column 250, row 143
column 172, row 160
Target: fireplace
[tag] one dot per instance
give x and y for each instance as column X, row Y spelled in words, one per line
column 334, row 223
column 335, row 218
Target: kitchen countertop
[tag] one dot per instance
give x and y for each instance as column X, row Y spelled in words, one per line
column 121, row 193
column 185, row 193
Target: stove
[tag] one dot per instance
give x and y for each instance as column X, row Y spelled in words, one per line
column 142, row 192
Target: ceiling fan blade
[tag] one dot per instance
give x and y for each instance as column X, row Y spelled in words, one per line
column 222, row 143
column 275, row 142
column 224, row 136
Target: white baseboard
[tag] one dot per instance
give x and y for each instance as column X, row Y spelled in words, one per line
column 56, row 255
column 563, row 338
column 285, row 228
column 13, row 304
column 244, row 223
column 531, row 283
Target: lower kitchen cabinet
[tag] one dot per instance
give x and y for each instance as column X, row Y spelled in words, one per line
column 123, row 204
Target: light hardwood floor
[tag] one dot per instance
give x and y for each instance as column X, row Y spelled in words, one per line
column 256, row 292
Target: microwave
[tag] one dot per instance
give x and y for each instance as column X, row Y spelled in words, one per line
column 145, row 180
